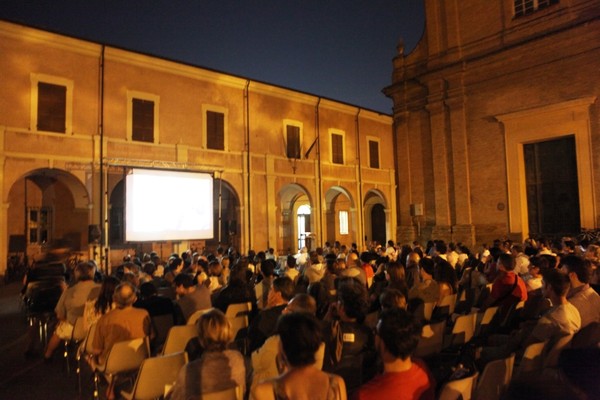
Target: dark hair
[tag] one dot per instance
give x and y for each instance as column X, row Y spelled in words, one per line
column 576, row 264
column 184, row 279
column 285, row 286
column 353, row 296
column 396, row 271
column 558, row 281
column 445, row 273
column 392, row 298
column 300, row 336
column 507, row 261
column 399, row 331
column 267, row 267
column 426, row 264
column 147, row 290
column 105, row 298
column 440, row 247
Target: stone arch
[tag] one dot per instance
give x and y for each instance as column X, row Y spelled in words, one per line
column 376, row 214
column 291, row 197
column 337, row 200
column 46, row 205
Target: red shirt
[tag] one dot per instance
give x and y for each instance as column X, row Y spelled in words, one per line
column 416, row 383
column 503, row 283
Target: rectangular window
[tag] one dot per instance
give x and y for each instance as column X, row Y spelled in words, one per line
column 142, row 120
column 293, row 141
column 337, row 148
column 215, row 130
column 373, row 154
column 525, row 7
column 343, row 222
column 52, row 107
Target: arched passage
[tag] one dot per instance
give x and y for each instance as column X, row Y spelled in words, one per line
column 340, row 218
column 377, row 221
column 293, row 198
column 47, row 205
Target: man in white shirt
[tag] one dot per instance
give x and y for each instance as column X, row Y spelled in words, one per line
column 521, row 260
column 581, row 295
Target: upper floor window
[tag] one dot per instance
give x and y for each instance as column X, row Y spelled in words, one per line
column 143, row 117
column 337, row 148
column 51, row 103
column 293, row 139
column 373, row 153
column 215, row 129
column 525, row 7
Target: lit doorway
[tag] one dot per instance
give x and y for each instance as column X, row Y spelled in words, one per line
column 304, row 229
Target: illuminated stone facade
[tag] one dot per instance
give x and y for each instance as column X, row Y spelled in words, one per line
column 489, row 86
column 62, row 177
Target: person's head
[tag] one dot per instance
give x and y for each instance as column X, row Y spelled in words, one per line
column 426, row 268
column 183, row 283
column 214, row 330
column 352, row 297
column 444, row 273
column 397, row 334
column 555, row 284
column 124, row 295
column 281, row 291
column 392, row 298
column 290, row 262
column 267, row 268
column 412, row 259
column 300, row 335
column 440, row 247
column 577, row 269
column 148, row 290
column 215, row 268
column 84, row 271
column 302, row 303
column 506, row 262
column 395, row 272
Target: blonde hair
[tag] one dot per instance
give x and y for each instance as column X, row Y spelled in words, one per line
column 214, row 331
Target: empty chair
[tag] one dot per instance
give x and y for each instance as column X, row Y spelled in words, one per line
column 234, row 393
column 178, row 338
column 123, row 357
column 156, row 373
column 495, row 379
column 431, row 340
column 196, row 315
column 532, row 359
column 462, row 331
column 459, row 389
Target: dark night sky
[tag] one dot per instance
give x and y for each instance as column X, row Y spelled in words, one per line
column 340, row 49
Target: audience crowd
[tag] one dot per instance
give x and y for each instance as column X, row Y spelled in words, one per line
column 337, row 323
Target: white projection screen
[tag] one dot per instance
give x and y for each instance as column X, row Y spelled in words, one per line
column 168, row 205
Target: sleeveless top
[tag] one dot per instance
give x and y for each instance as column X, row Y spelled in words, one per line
column 333, row 390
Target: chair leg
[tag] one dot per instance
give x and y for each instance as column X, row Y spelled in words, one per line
column 96, row 388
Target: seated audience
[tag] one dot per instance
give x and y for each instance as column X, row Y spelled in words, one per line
column 191, row 297
column 427, row 289
column 300, row 338
column 95, row 308
column 397, row 336
column 218, row 368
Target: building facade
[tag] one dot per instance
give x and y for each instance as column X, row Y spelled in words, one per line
column 496, row 118
column 290, row 169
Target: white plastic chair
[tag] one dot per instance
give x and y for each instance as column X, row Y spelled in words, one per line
column 155, row 373
column 178, row 337
column 494, row 379
column 459, row 389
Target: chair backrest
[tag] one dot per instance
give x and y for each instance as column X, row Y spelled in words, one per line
column 448, row 301
column 89, row 339
column 196, row 316
column 237, row 314
column 79, row 332
column 464, row 328
column 459, row 389
column 155, row 373
column 431, row 340
column 532, row 358
column 484, row 319
column 178, row 338
column 495, row 379
column 552, row 351
column 234, row 393
column 127, row 355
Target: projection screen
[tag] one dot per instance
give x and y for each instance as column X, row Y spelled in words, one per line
column 168, row 205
